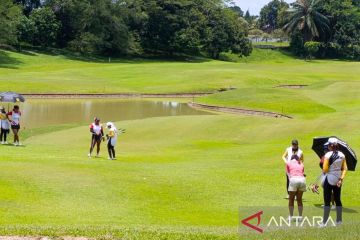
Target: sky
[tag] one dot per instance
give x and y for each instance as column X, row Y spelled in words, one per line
column 254, row 6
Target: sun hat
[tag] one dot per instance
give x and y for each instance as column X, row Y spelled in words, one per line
column 333, row 140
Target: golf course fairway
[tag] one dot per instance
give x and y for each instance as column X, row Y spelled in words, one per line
column 183, row 177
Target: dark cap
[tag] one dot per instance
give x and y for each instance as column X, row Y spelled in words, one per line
column 294, row 142
column 96, row 119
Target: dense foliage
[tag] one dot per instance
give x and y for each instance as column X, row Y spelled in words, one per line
column 333, row 23
column 119, row 27
column 172, row 27
column 272, row 15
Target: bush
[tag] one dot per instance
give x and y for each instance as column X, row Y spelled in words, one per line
column 297, row 44
column 312, row 48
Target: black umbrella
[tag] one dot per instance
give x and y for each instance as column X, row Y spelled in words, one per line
column 351, row 159
column 11, row 97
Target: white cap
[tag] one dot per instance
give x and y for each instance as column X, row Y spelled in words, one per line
column 333, row 140
column 109, row 124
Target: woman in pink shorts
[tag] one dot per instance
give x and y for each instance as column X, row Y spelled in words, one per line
column 297, row 185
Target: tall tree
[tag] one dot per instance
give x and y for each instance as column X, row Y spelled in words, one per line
column 305, row 16
column 9, row 18
column 247, row 16
column 93, row 26
column 171, row 26
column 344, row 39
column 29, row 5
column 46, row 27
column 269, row 15
column 238, row 10
column 226, row 32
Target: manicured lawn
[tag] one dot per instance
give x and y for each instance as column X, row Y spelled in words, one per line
column 176, row 177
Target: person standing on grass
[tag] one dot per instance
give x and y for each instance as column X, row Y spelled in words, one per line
column 112, row 139
column 292, row 152
column 334, row 169
column 321, row 164
column 5, row 126
column 97, row 134
column 297, row 184
column 14, row 118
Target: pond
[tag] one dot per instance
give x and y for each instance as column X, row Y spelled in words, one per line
column 40, row 113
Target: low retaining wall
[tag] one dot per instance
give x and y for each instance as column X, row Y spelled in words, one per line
column 294, row 86
column 114, row 95
column 237, row 110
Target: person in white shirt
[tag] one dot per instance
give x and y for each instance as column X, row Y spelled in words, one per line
column 4, row 125
column 14, row 118
column 334, row 169
column 292, row 152
column 112, row 140
column 97, row 134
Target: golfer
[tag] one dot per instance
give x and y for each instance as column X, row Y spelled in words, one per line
column 97, row 134
column 14, row 118
column 297, row 184
column 112, row 139
column 334, row 169
column 321, row 164
column 4, row 125
column 292, row 152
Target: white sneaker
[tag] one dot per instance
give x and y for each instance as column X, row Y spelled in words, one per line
column 19, row 144
column 15, row 143
column 6, row 143
column 333, row 207
column 321, row 225
column 2, row 142
column 114, row 159
column 109, row 158
column 89, row 155
column 287, row 197
column 97, row 155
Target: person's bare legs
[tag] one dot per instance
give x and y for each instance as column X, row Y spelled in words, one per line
column 98, row 147
column 299, row 195
column 93, row 142
column 16, row 136
column 291, row 203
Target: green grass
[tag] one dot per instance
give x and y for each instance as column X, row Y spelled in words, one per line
column 175, row 177
column 277, row 44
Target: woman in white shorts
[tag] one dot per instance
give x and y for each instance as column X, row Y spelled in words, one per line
column 297, row 185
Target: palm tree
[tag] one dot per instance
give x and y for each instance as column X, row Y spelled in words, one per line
column 304, row 15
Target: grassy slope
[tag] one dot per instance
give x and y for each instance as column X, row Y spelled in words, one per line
column 193, row 180
column 255, row 77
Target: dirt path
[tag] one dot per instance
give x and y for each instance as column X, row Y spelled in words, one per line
column 237, row 110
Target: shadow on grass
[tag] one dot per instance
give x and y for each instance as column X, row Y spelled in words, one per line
column 346, row 210
column 12, row 145
column 106, row 59
column 8, row 62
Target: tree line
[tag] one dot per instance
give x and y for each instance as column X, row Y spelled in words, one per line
column 122, row 27
column 322, row 28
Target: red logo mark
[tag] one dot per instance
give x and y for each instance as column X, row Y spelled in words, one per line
column 256, row 228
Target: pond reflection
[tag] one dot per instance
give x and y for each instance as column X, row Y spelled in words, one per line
column 38, row 113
